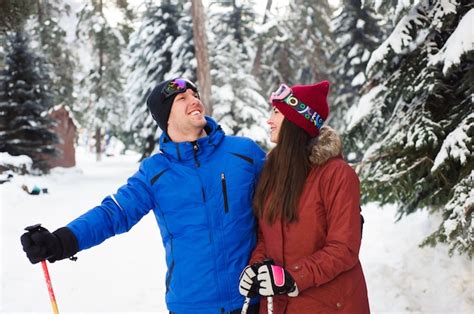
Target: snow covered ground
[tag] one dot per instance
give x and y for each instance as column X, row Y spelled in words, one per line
column 126, row 273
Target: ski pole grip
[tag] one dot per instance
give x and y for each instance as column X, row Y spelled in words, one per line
column 33, row 227
column 36, row 227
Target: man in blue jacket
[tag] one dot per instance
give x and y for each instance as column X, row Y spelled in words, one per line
column 200, row 189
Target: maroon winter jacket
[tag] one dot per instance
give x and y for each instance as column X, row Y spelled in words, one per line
column 321, row 249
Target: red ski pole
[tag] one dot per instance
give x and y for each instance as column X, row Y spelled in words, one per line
column 50, row 287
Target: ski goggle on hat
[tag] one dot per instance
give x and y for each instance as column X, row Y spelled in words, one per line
column 285, row 95
column 178, row 85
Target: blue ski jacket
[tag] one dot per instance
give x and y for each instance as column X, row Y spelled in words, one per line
column 201, row 194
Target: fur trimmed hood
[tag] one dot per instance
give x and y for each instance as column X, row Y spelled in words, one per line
column 326, row 145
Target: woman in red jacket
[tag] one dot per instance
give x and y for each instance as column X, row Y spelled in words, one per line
column 307, row 203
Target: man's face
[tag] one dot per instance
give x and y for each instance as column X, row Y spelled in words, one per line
column 187, row 113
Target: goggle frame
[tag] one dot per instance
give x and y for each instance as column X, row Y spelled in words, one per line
column 177, row 86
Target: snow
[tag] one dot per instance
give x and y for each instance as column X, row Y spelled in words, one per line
column 354, row 51
column 126, row 273
column 442, row 9
column 364, row 107
column 97, row 27
column 402, row 4
column 458, row 210
column 455, row 145
column 355, row 61
column 360, row 24
column 404, row 278
column 16, row 161
column 393, row 42
column 358, row 80
column 460, row 42
column 400, row 40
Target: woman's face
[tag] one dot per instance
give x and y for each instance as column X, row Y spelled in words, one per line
column 275, row 123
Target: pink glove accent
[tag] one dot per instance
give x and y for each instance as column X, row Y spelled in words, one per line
column 278, row 275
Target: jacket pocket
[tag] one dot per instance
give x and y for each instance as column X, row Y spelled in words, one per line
column 224, row 193
column 169, row 273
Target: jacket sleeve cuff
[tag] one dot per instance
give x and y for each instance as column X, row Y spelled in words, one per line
column 68, row 242
column 301, row 275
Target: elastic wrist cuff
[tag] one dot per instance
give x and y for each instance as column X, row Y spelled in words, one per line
column 68, row 242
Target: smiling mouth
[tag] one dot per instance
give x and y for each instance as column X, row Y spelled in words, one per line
column 195, row 113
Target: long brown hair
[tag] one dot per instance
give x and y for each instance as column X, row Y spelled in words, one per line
column 283, row 176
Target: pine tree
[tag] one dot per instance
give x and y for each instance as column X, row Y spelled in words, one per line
column 418, row 126
column 298, row 45
column 357, row 33
column 392, row 10
column 161, row 48
column 25, row 98
column 277, row 61
column 54, row 49
column 103, row 104
column 311, row 39
column 125, row 24
column 239, row 106
column 2, row 50
column 14, row 13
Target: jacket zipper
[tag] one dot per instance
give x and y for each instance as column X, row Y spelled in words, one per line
column 224, row 191
column 196, row 149
column 178, row 151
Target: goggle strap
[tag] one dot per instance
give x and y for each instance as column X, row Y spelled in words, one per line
column 312, row 115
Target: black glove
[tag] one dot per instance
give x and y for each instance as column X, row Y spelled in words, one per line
column 39, row 244
column 248, row 284
column 275, row 280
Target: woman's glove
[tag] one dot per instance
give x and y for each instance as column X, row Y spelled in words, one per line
column 275, row 280
column 248, row 284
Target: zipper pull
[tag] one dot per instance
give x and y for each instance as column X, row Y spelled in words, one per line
column 196, row 149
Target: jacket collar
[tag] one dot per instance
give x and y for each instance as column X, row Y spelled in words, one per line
column 186, row 151
column 326, row 145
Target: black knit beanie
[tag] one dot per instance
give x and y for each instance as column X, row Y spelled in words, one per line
column 160, row 105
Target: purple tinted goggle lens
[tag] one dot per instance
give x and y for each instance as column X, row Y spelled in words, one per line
column 177, row 86
column 281, row 93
